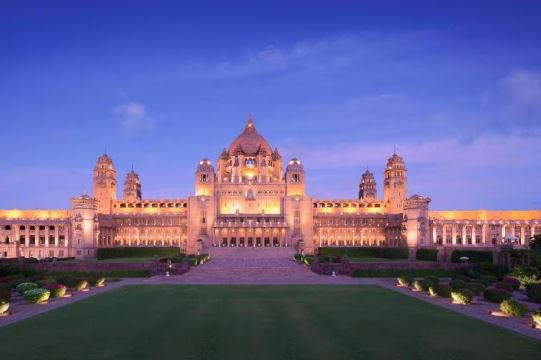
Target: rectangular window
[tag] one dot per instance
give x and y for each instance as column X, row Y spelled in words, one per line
column 32, row 239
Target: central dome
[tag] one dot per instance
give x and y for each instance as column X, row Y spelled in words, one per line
column 250, row 142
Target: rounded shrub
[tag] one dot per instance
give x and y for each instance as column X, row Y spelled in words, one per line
column 37, row 295
column 4, row 306
column 533, row 290
column 404, row 281
column 80, row 284
column 440, row 290
column 56, row 290
column 504, row 286
column 513, row 308
column 23, row 287
column 97, row 281
column 526, row 275
column 536, row 318
column 496, row 295
column 476, row 288
column 462, row 296
column 456, row 284
column 513, row 282
column 421, row 285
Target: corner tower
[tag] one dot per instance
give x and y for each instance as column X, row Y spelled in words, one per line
column 395, row 186
column 204, row 178
column 104, row 184
column 132, row 187
column 367, row 187
column 295, row 181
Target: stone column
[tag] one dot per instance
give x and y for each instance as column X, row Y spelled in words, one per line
column 473, row 239
column 484, row 234
column 27, row 236
column 464, row 235
column 47, row 236
column 443, row 234
column 453, row 233
column 522, row 235
column 434, row 234
column 56, row 240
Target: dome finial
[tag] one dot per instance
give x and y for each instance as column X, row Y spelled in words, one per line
column 250, row 122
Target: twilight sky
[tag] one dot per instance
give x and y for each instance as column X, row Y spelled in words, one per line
column 455, row 86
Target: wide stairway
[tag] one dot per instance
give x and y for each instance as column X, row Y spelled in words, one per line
column 252, row 266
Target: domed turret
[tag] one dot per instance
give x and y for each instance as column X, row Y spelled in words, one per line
column 250, row 159
column 367, row 187
column 250, row 142
column 132, row 187
column 295, row 165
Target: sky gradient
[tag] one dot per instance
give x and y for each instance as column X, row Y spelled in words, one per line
column 456, row 87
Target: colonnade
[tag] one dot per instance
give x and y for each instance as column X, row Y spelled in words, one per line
column 250, row 237
column 482, row 233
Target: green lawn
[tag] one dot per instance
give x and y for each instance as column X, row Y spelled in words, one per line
column 378, row 259
column 258, row 322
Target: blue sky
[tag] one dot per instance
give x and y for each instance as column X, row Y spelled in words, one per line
column 455, row 86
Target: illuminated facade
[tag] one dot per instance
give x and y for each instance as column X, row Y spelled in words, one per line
column 248, row 200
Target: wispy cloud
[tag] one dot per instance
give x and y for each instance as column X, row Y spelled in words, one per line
column 523, row 89
column 133, row 118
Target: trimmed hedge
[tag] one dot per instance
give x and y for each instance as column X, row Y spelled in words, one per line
column 4, row 306
column 474, row 256
column 457, row 284
column 427, row 254
column 393, row 273
column 404, row 281
column 21, row 288
column 37, row 295
column 97, row 281
column 57, row 290
column 514, row 283
column 422, row 284
column 127, row 252
column 513, row 308
column 440, row 290
column 536, row 317
column 378, row 252
column 496, row 295
column 462, row 296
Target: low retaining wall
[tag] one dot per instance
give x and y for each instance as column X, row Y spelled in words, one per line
column 347, row 268
column 154, row 268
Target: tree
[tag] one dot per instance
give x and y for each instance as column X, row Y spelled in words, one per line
column 535, row 242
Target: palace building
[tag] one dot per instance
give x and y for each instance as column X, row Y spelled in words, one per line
column 252, row 197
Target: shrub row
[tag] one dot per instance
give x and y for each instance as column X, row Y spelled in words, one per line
column 427, row 254
column 127, row 252
column 474, row 256
column 381, row 252
column 496, row 295
column 410, row 273
column 462, row 296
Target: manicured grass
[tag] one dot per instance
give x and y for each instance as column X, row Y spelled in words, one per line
column 258, row 322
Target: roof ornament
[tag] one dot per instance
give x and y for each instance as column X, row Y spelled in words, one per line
column 250, row 122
